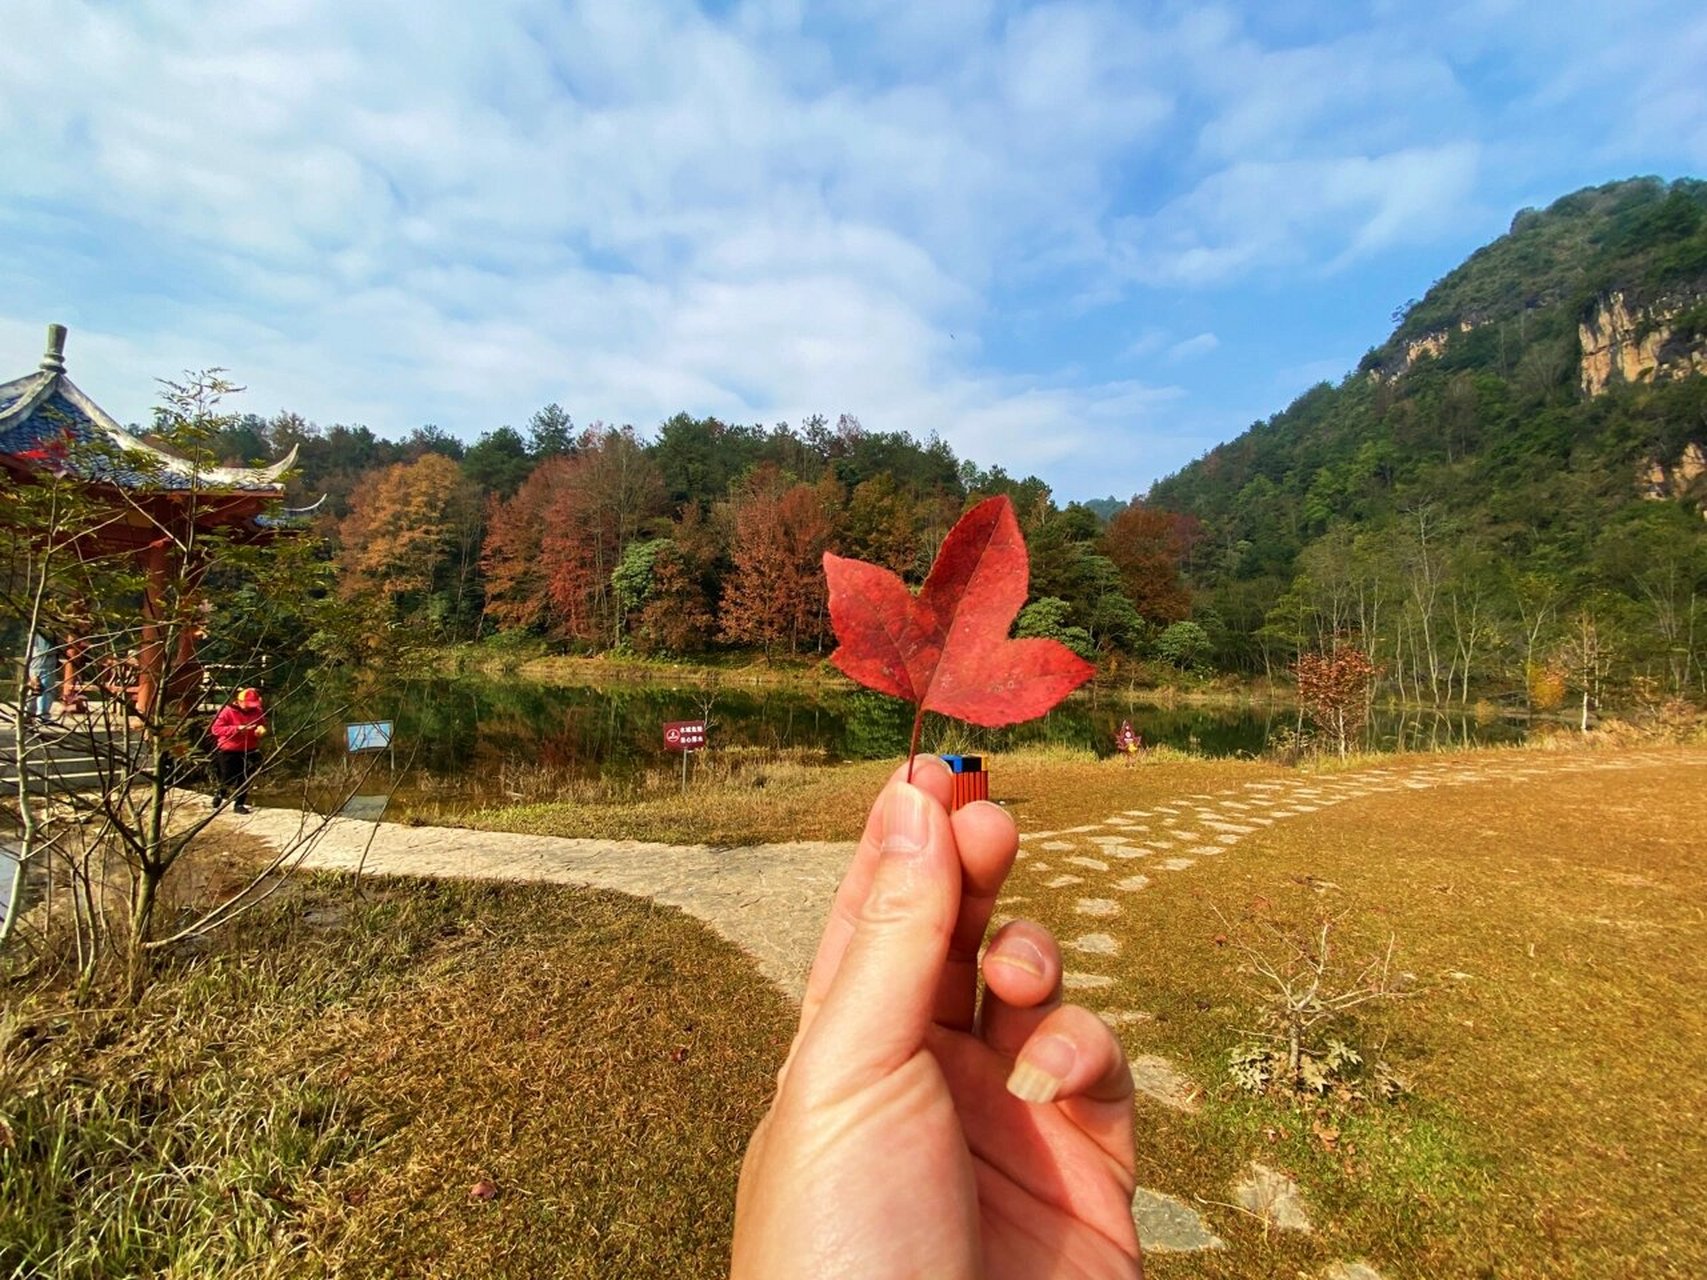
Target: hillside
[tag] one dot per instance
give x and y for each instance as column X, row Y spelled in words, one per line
column 1508, row 493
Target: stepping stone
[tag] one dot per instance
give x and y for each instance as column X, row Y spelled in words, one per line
column 1097, row 907
column 1096, row 944
column 1125, row 1017
column 1108, row 839
column 1132, row 884
column 1272, row 1197
column 1086, row 981
column 1128, row 851
column 1169, row 1225
column 1055, row 846
column 1351, row 1271
column 1137, row 813
column 1061, row 882
column 1177, row 864
column 1089, row 864
column 1229, row 839
column 1230, row 828
column 1042, row 866
column 1160, row 1081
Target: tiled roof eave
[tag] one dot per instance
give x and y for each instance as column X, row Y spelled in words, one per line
column 159, row 469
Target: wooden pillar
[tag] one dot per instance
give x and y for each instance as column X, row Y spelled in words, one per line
column 151, row 656
column 184, row 680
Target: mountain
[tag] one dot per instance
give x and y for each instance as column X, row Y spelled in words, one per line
column 1525, row 454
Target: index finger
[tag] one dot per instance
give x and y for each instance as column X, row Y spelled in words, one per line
column 932, row 777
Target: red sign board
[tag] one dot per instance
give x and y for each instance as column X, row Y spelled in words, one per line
column 684, row 735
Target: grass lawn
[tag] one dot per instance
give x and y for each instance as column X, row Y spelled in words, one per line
column 318, row 1094
column 1556, row 1123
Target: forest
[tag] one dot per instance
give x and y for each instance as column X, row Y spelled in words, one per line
column 1474, row 507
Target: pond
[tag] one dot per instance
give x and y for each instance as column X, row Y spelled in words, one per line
column 479, row 731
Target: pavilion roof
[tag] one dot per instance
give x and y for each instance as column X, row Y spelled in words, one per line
column 43, row 415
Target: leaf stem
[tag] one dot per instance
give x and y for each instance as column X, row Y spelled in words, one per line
column 913, row 747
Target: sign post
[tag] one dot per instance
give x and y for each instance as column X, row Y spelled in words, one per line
column 685, row 736
column 374, row 735
column 371, row 735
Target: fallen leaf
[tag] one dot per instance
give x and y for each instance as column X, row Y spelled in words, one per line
column 947, row 649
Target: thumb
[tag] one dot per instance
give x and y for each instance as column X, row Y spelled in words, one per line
column 879, row 1006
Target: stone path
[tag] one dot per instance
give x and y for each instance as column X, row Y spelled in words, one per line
column 770, row 899
column 1139, row 850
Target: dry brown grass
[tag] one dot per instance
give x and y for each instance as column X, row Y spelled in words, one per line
column 598, row 1060
column 602, row 1061
column 317, row 1094
column 761, row 800
column 1555, row 929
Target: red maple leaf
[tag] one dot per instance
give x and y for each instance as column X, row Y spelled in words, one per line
column 947, row 648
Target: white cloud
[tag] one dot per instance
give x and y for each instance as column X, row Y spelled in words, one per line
column 1190, row 348
column 1258, row 215
column 454, row 213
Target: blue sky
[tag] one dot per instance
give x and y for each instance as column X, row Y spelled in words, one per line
column 1088, row 241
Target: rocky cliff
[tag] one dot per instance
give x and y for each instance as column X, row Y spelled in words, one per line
column 1633, row 342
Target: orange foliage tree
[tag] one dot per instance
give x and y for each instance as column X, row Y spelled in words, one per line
column 412, row 532
column 1333, row 688
column 1149, row 547
column 775, row 593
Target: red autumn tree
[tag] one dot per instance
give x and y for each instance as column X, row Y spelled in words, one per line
column 553, row 546
column 515, row 580
column 1149, row 546
column 775, row 594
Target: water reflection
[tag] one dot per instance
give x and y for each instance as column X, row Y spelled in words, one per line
column 462, row 728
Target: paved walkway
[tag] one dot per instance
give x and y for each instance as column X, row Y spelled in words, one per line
column 769, row 899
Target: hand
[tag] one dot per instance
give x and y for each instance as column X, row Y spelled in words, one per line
column 909, row 1138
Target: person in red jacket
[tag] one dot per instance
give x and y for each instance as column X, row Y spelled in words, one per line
column 237, row 732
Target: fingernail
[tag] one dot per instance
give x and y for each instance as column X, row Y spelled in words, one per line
column 1044, row 1067
column 906, row 823
column 1022, row 954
